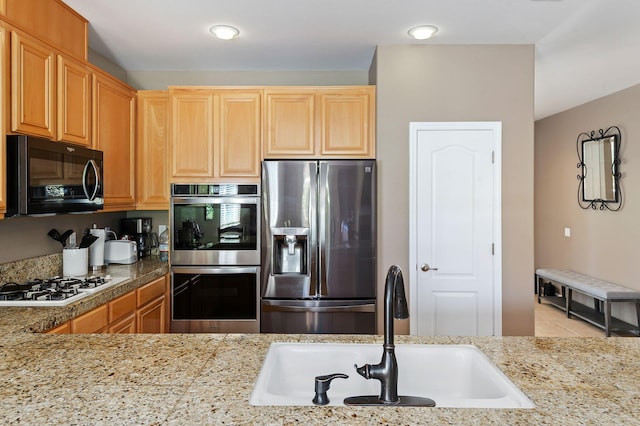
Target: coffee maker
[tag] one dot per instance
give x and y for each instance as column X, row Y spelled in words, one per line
column 138, row 229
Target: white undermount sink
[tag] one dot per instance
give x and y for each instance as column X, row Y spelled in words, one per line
column 452, row 375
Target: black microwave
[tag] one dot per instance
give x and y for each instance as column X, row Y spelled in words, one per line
column 46, row 177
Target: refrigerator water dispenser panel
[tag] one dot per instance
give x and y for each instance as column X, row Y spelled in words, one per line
column 290, row 254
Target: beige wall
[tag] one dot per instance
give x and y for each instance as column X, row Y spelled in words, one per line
column 26, row 237
column 603, row 244
column 106, row 65
column 459, row 83
column 159, row 80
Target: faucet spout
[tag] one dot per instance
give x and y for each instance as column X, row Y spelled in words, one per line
column 395, row 302
column 386, row 371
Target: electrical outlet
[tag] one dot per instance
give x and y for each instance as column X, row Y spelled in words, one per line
column 567, row 232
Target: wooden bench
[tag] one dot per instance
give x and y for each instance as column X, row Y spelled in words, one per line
column 599, row 290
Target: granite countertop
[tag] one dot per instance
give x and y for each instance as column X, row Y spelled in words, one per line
column 189, row 379
column 39, row 319
column 206, row 379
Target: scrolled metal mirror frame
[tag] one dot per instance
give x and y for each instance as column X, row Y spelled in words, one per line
column 615, row 169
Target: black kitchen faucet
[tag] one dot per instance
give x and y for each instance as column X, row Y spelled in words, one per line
column 386, row 371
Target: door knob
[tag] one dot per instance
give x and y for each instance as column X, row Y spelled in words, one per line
column 425, row 268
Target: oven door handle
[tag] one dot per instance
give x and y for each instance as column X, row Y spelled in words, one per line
column 294, row 306
column 215, row 270
column 180, row 289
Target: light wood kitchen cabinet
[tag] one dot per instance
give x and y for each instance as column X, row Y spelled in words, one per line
column 289, row 122
column 313, row 122
column 191, row 135
column 32, row 86
column 61, row 329
column 113, row 121
column 94, row 321
column 126, row 325
column 49, row 100
column 150, row 317
column 52, row 21
column 347, row 122
column 237, row 136
column 74, row 102
column 153, row 150
column 121, row 307
column 215, row 134
column 152, row 305
column 143, row 310
column 122, row 314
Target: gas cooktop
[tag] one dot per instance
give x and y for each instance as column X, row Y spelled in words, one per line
column 55, row 291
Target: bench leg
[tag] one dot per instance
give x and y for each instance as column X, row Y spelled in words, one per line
column 568, row 302
column 607, row 318
column 540, row 287
column 596, row 305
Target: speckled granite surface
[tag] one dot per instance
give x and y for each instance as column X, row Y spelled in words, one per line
column 206, row 379
column 36, row 267
column 38, row 319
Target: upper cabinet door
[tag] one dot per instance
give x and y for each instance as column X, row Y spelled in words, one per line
column 74, row 102
column 153, row 150
column 347, row 122
column 113, row 134
column 319, row 122
column 289, row 123
column 238, row 132
column 191, row 135
column 32, row 87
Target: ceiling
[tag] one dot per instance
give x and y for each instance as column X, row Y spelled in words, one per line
column 585, row 49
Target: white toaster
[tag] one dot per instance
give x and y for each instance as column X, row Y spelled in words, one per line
column 120, row 251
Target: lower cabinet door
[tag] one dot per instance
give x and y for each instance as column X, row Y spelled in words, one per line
column 61, row 329
column 94, row 321
column 126, row 325
column 151, row 317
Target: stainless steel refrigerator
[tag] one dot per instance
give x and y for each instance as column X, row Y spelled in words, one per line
column 318, row 246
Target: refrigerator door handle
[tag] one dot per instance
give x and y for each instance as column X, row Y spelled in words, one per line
column 321, row 220
column 280, row 306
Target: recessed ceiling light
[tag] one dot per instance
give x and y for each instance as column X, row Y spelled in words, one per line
column 224, row 32
column 422, row 32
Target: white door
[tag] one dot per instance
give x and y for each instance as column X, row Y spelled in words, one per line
column 455, row 277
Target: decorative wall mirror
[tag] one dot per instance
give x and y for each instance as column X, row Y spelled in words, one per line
column 599, row 164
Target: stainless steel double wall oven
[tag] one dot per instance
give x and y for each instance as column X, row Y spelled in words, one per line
column 215, row 258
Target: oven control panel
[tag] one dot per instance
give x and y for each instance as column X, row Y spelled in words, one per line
column 214, row 189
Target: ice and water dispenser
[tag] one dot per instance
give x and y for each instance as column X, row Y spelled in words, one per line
column 290, row 250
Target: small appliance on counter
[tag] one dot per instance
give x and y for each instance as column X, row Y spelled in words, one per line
column 96, row 250
column 120, row 251
column 139, row 230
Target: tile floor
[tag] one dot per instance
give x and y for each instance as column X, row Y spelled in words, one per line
column 552, row 322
